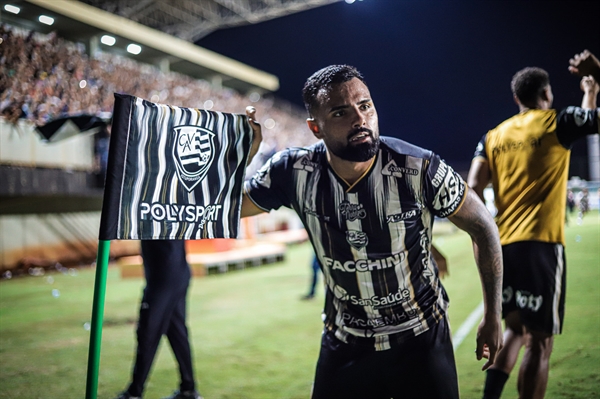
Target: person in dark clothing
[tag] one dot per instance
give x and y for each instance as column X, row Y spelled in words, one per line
column 163, row 312
column 314, row 278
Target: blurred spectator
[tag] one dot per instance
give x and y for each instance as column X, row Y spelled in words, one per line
column 584, row 202
column 43, row 77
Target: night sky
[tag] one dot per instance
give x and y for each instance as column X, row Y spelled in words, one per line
column 439, row 71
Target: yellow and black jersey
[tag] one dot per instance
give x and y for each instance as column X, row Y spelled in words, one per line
column 528, row 158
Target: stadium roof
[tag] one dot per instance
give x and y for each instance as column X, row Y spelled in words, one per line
column 164, row 29
column 193, row 19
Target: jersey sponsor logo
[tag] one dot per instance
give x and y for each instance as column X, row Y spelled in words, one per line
column 352, row 211
column 358, row 239
column 180, row 213
column 305, row 163
column 364, row 265
column 514, row 146
column 440, row 174
column 526, row 300
column 381, row 302
column 398, row 217
column 340, row 293
column 391, row 169
column 450, row 195
column 398, row 317
column 193, row 153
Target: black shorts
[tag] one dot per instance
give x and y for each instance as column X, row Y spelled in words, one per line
column 421, row 367
column 535, row 284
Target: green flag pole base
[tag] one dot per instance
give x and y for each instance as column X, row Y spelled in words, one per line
column 91, row 387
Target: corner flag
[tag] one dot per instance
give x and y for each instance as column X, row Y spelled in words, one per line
column 173, row 173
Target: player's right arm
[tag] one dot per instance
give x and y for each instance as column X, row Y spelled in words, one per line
column 248, row 207
column 590, row 89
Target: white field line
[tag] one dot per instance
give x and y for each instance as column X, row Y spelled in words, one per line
column 467, row 326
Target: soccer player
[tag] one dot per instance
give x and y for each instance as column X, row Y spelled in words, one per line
column 526, row 158
column 368, row 203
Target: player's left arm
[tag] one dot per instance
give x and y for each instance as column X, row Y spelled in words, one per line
column 474, row 218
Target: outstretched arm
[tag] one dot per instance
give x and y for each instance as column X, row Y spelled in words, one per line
column 474, row 218
column 257, row 137
column 248, row 207
column 585, row 64
column 590, row 89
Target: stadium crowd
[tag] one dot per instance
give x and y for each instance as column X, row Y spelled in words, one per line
column 43, row 77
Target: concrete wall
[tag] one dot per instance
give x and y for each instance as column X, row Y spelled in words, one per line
column 43, row 240
column 22, row 145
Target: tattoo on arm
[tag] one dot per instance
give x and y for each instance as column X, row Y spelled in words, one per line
column 474, row 218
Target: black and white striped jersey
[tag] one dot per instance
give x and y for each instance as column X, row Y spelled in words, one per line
column 372, row 239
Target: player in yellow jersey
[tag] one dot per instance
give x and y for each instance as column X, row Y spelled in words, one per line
column 526, row 158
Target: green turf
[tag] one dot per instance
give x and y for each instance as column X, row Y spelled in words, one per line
column 252, row 337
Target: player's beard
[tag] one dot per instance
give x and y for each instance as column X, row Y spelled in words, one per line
column 357, row 152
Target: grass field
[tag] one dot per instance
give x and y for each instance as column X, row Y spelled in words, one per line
column 252, row 337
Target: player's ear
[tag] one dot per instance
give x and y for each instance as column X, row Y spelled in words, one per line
column 314, row 128
column 516, row 100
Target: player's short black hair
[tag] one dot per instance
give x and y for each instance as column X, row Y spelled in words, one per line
column 528, row 85
column 325, row 78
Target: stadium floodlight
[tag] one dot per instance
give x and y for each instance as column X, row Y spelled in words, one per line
column 12, row 9
column 134, row 48
column 350, row 1
column 46, row 19
column 108, row 40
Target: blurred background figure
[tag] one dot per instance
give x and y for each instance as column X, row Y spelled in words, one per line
column 163, row 312
column 315, row 268
column 584, row 202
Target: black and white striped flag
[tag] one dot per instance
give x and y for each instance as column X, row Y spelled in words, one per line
column 173, row 173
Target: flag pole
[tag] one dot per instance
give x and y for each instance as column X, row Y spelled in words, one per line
column 91, row 388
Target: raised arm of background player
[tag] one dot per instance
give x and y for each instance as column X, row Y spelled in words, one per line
column 585, row 64
column 590, row 89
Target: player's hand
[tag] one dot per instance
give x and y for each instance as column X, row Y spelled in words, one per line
column 257, row 139
column 489, row 340
column 584, row 64
column 589, row 85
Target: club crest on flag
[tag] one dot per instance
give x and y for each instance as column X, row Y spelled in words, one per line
column 193, row 153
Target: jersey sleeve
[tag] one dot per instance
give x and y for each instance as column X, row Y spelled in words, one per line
column 574, row 123
column 480, row 150
column 445, row 190
column 266, row 187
